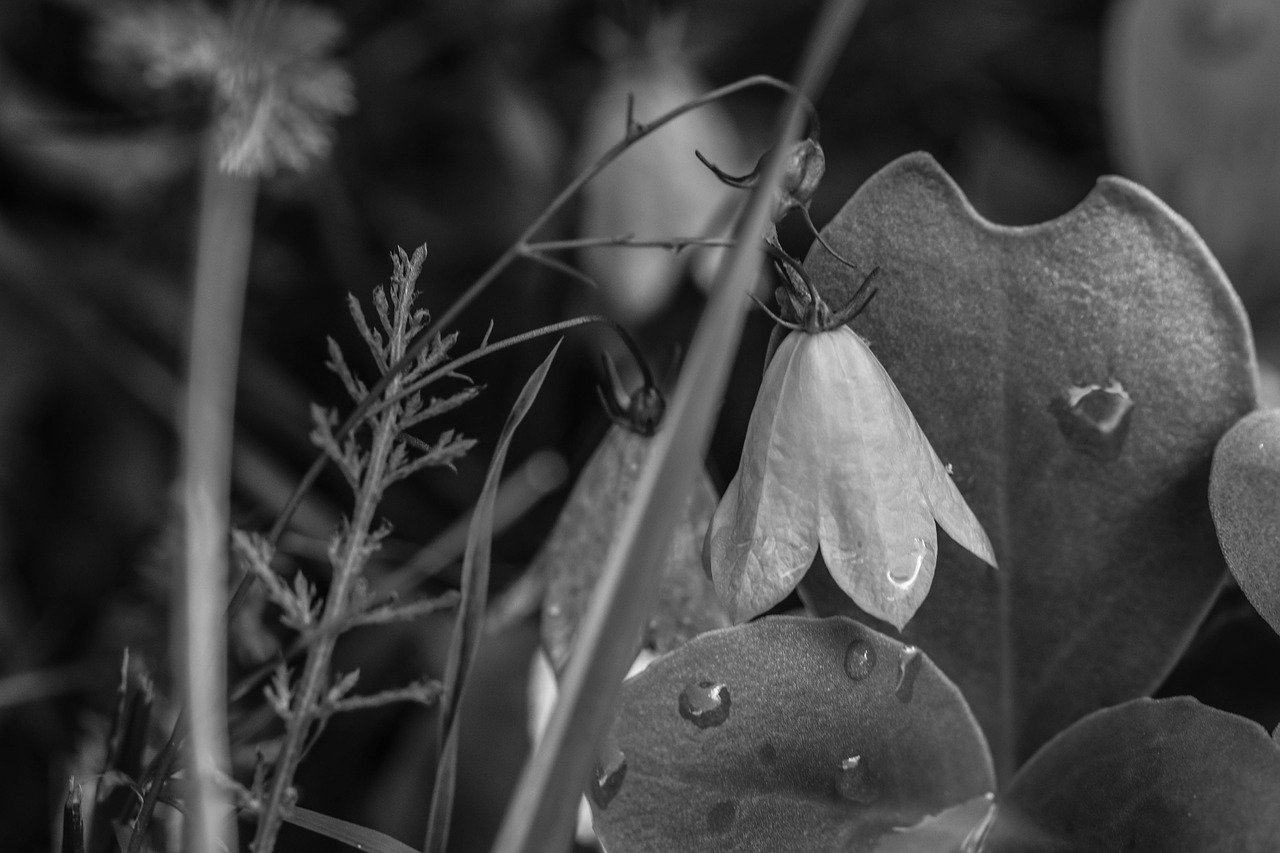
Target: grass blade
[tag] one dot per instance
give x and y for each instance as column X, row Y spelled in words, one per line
column 350, row 834
column 541, row 814
column 469, row 626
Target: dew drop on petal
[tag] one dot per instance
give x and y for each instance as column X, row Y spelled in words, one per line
column 722, row 815
column 908, row 670
column 705, row 703
column 859, row 660
column 903, row 575
column 611, row 768
column 853, row 782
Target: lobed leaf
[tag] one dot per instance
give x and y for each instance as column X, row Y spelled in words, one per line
column 1244, row 494
column 785, row 734
column 1077, row 375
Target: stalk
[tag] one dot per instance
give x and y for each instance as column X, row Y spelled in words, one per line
column 224, row 237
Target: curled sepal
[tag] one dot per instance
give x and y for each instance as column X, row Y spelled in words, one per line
column 834, row 460
column 806, row 164
column 640, row 412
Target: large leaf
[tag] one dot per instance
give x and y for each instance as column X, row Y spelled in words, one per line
column 575, row 552
column 1148, row 776
column 785, row 734
column 1077, row 375
column 1244, row 493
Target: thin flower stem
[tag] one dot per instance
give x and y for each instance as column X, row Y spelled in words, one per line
column 566, row 268
column 505, row 343
column 221, row 275
column 635, row 133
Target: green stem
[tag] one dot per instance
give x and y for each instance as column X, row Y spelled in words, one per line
column 221, row 275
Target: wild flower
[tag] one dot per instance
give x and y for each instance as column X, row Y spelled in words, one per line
column 835, row 462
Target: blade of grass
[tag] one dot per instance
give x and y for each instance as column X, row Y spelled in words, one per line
column 350, row 834
column 469, row 625
column 540, row 475
column 540, row 816
column 221, row 275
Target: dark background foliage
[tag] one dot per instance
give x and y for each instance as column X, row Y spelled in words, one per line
column 467, row 121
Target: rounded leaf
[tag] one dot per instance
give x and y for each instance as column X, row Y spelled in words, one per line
column 786, row 734
column 1147, row 776
column 1244, row 494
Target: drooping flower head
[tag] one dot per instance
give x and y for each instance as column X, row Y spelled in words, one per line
column 835, row 461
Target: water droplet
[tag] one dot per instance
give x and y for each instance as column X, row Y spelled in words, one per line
column 903, row 575
column 908, row 669
column 1094, row 420
column 722, row 815
column 854, row 783
column 767, row 754
column 611, row 768
column 705, row 703
column 859, row 659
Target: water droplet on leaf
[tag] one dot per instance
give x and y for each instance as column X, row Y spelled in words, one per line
column 722, row 816
column 908, row 669
column 1094, row 420
column 853, row 782
column 860, row 660
column 705, row 703
column 611, row 768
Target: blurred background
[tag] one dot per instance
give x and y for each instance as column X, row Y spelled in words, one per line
column 468, row 119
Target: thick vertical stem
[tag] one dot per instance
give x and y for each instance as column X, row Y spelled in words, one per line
column 199, row 640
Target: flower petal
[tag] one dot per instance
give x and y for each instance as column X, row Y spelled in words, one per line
column 947, row 504
column 876, row 527
column 761, row 540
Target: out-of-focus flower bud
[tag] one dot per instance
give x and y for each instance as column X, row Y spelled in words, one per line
column 657, row 188
column 1194, row 113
